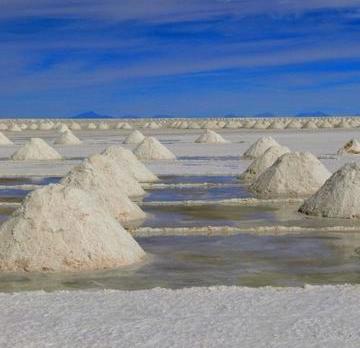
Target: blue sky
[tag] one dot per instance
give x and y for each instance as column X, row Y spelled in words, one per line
column 198, row 57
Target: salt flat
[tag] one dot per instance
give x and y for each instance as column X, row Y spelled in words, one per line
column 325, row 316
column 193, row 317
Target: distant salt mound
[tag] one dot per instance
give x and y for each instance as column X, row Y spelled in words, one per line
column 62, row 128
column 263, row 162
column 75, row 126
column 151, row 149
column 104, row 126
column 294, row 124
column 91, row 126
column 135, row 137
column 259, row 147
column 294, row 174
column 67, row 138
column 107, row 190
column 33, row 126
column 351, row 147
column 63, row 229
column 127, row 160
column 36, row 149
column 126, row 125
column 310, row 125
column 15, row 128
column 46, row 125
column 339, row 197
column 4, row 140
column 210, row 137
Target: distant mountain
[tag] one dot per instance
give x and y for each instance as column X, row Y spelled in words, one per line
column 265, row 114
column 312, row 114
column 90, row 114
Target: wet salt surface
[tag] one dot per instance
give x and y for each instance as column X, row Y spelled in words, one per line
column 184, row 261
column 243, row 260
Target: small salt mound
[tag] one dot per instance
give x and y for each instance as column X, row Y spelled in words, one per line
column 63, row 229
column 210, row 137
column 75, row 126
column 259, row 147
column 126, row 125
column 310, row 125
column 4, row 140
column 277, row 124
column 294, row 174
column 351, row 147
column 62, row 128
column 103, row 126
column 294, row 124
column 33, row 126
column 67, row 138
column 151, row 149
column 109, row 194
column 127, row 160
column 46, row 125
column 116, row 174
column 135, row 137
column 263, row 162
column 15, row 128
column 339, row 197
column 91, row 126
column 36, row 149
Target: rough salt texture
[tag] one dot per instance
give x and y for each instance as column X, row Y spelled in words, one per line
column 67, row 138
column 210, row 137
column 114, row 172
column 128, row 161
column 152, row 149
column 135, row 137
column 109, row 191
column 314, row 316
column 351, row 147
column 61, row 228
column 294, row 174
column 259, row 147
column 36, row 149
column 266, row 160
column 4, row 140
column 339, row 197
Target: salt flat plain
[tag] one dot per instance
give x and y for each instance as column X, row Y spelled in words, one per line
column 217, row 316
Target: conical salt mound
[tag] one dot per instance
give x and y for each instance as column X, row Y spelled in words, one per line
column 266, row 160
column 151, row 149
column 128, row 161
column 210, row 137
column 351, row 147
column 15, row 128
column 62, row 128
column 36, row 149
column 67, row 138
column 4, row 140
column 108, row 191
column 63, row 229
column 259, row 147
column 116, row 174
column 294, row 174
column 339, row 197
column 135, row 137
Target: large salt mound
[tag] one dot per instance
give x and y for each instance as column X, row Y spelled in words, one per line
column 60, row 228
column 259, row 147
column 210, row 137
column 67, row 138
column 294, row 174
column 151, row 149
column 135, row 137
column 4, row 140
column 351, row 147
column 108, row 191
column 266, row 160
column 339, row 197
column 15, row 128
column 36, row 149
column 128, row 161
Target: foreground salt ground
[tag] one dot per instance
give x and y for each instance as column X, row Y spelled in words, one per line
column 195, row 317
